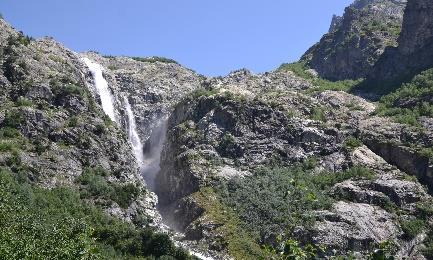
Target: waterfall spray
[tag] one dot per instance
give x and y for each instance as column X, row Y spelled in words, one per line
column 133, row 136
column 153, row 150
column 102, row 88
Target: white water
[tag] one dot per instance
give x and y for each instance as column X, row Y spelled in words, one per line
column 152, row 156
column 102, row 88
column 133, row 136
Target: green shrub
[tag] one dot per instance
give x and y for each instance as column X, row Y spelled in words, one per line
column 55, row 224
column 318, row 114
column 73, row 121
column 23, row 102
column 282, row 197
column 352, row 143
column 414, row 94
column 300, row 69
column 8, row 132
column 204, row 92
column 13, row 119
column 412, row 228
column 154, row 59
column 95, row 185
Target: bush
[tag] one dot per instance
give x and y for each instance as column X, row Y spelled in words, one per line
column 352, row 143
column 282, row 197
column 300, row 69
column 95, row 185
column 55, row 224
column 412, row 228
column 154, row 59
column 408, row 103
column 23, row 102
column 8, row 132
column 318, row 114
column 13, row 119
column 73, row 121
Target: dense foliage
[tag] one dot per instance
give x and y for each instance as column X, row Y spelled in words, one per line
column 37, row 223
column 283, row 198
column 411, row 101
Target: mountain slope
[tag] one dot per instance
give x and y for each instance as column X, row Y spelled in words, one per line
column 356, row 41
column 67, row 171
column 413, row 54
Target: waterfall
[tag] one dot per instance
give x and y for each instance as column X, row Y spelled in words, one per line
column 153, row 150
column 133, row 136
column 102, row 88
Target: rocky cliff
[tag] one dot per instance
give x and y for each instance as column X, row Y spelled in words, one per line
column 414, row 52
column 246, row 166
column 356, row 41
column 218, row 140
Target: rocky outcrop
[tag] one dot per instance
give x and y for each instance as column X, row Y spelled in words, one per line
column 356, row 41
column 415, row 44
column 57, row 130
column 226, row 131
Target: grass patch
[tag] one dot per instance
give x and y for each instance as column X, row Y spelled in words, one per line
column 352, row 143
column 154, row 59
column 23, row 102
column 300, row 69
column 318, row 114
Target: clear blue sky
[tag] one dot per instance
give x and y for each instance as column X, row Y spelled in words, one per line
column 212, row 37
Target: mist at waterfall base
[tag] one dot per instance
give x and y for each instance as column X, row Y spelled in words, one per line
column 102, row 88
column 152, row 153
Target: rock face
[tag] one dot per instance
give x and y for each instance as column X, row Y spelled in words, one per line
column 356, row 41
column 59, row 131
column 226, row 132
column 367, row 180
column 415, row 44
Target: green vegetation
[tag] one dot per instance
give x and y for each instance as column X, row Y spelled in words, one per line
column 154, row 59
column 413, row 227
column 55, row 224
column 201, row 92
column 283, row 198
column 370, row 26
column 95, row 185
column 73, row 121
column 301, row 70
column 239, row 242
column 13, row 119
column 352, row 143
column 23, row 102
column 318, row 114
column 407, row 104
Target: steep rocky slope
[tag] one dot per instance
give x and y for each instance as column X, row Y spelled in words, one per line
column 356, row 41
column 414, row 52
column 246, row 166
column 73, row 164
column 218, row 140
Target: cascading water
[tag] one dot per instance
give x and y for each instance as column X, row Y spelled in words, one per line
column 102, row 88
column 133, row 137
column 152, row 155
column 149, row 161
